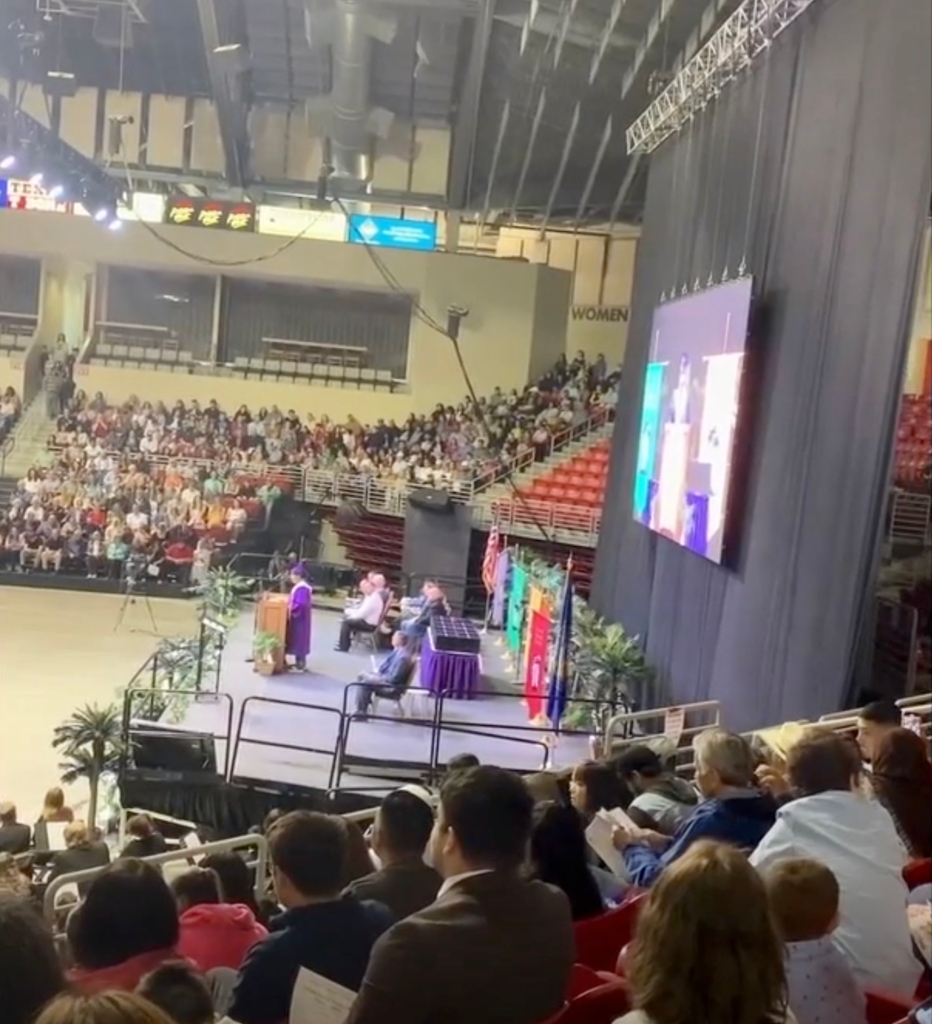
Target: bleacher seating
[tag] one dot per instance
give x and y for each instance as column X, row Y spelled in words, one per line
column 913, row 451
column 579, row 481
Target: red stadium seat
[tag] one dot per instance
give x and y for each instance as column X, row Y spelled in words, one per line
column 887, row 1007
column 600, row 939
column 918, row 872
column 602, row 1005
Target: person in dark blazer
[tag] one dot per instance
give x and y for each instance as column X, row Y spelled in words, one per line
column 404, row 883
column 14, row 836
column 435, row 606
column 390, row 679
column 80, row 854
column 145, row 839
column 494, row 947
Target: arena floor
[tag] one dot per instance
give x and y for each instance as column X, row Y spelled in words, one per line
column 59, row 650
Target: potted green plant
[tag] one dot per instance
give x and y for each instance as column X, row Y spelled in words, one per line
column 223, row 594
column 610, row 672
column 267, row 650
column 91, row 745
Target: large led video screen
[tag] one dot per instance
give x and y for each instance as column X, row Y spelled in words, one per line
column 691, row 417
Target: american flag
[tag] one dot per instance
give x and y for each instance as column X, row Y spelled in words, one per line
column 490, row 559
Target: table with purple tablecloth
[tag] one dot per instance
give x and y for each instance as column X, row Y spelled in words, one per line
column 453, row 673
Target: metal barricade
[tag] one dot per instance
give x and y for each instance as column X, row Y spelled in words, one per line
column 697, row 718
column 259, row 862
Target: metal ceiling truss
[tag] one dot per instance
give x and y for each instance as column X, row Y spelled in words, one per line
column 733, row 48
column 90, row 8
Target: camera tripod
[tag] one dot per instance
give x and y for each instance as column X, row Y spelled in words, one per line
column 130, row 598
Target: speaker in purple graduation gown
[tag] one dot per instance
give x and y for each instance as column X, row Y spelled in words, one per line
column 298, row 636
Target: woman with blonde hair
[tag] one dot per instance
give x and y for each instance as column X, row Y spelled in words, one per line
column 103, row 1008
column 53, row 807
column 706, row 949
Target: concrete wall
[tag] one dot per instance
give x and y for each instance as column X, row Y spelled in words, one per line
column 602, row 269
column 921, row 342
column 11, row 374
column 554, row 289
column 497, row 338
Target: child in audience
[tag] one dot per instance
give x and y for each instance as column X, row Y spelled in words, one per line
column 181, row 992
column 821, row 984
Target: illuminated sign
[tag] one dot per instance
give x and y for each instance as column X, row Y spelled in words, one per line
column 210, row 213
column 392, row 232
column 23, row 195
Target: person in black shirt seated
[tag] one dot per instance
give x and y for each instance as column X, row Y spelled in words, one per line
column 14, row 836
column 326, row 932
column 146, row 840
column 79, row 854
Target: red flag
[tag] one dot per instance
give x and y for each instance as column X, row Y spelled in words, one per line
column 490, row 560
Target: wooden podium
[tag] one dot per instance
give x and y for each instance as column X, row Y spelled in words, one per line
column 272, row 617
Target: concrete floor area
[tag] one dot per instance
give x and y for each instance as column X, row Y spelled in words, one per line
column 59, row 650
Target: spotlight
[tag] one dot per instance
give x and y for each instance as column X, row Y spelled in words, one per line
column 115, row 224
column 7, row 162
column 36, row 179
column 56, row 192
column 101, row 214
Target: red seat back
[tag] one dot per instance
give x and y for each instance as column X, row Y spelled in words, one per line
column 887, row 1007
column 600, row 939
column 582, row 978
column 918, row 872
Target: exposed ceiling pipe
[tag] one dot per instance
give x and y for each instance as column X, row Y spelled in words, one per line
column 349, row 129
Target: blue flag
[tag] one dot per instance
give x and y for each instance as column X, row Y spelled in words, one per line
column 558, row 690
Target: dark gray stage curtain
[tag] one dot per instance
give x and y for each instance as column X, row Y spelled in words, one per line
column 837, row 195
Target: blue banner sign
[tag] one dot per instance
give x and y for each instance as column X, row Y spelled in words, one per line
column 392, row 232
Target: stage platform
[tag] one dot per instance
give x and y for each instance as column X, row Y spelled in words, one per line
column 284, row 730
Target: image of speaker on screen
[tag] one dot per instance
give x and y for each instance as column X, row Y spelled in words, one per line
column 690, row 416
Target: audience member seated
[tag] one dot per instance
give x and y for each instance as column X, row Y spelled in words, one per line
column 14, row 835
column 595, row 787
column 237, row 884
column 821, row 985
column 874, row 722
column 126, row 926
column 901, row 779
column 322, row 930
column 403, row 883
column 9, row 412
column 145, row 838
column 80, row 854
column 831, row 821
column 734, row 810
column 30, row 971
column 362, row 617
column 102, row 1008
column 494, row 947
column 559, row 856
column 357, row 858
column 706, row 950
column 390, row 680
column 212, row 934
column 662, row 801
column 181, row 993
column 13, row 883
column 54, row 809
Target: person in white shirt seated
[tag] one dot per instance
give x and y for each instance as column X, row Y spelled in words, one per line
column 706, row 949
column 363, row 617
column 833, row 822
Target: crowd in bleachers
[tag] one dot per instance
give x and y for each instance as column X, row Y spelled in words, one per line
column 772, row 891
column 10, row 407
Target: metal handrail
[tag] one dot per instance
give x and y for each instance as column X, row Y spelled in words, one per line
column 158, row 859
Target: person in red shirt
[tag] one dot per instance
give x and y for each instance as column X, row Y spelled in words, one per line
column 212, row 934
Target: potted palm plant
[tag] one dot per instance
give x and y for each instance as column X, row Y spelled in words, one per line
column 91, row 745
column 223, row 594
column 611, row 674
column 267, row 651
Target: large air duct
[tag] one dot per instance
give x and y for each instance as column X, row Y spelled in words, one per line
column 349, row 128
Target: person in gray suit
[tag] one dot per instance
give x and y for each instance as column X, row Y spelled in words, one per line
column 494, row 947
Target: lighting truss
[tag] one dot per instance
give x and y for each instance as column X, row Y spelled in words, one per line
column 731, row 50
column 90, row 8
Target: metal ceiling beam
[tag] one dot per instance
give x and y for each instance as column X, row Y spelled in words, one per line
column 582, row 31
column 624, row 188
column 227, row 89
column 528, row 152
column 561, row 170
column 467, row 118
column 490, row 184
column 593, row 171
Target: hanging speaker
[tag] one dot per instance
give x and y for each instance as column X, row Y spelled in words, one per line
column 430, row 499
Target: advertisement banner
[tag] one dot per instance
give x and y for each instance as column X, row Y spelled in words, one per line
column 392, row 232
column 538, row 653
column 515, row 609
